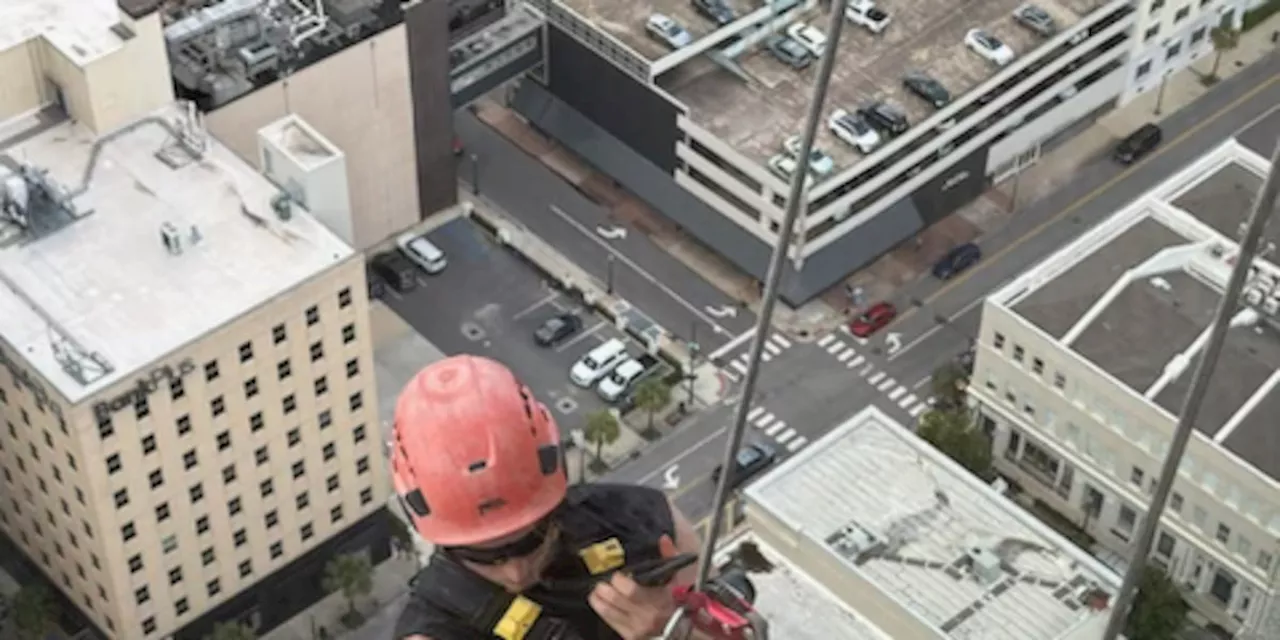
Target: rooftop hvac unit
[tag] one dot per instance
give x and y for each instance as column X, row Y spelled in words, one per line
column 171, row 238
column 282, row 204
column 985, row 565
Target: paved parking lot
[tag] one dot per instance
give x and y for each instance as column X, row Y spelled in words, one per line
column 489, row 302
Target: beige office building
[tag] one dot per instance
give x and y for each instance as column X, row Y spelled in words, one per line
column 1084, row 361
column 188, row 429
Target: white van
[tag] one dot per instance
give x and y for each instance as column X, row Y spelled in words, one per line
column 598, row 363
column 420, row 250
column 620, row 380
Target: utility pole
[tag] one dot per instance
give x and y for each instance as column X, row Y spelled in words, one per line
column 609, row 273
column 693, row 357
column 1262, row 210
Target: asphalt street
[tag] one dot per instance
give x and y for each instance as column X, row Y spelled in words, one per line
column 645, row 275
column 489, row 302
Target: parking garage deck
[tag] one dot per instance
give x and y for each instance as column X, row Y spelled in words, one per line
column 927, row 35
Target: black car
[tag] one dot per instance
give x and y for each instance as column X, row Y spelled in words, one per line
column 927, row 88
column 717, row 11
column 1138, row 144
column 957, row 260
column 789, row 52
column 396, row 271
column 885, row 117
column 556, row 329
column 751, row 459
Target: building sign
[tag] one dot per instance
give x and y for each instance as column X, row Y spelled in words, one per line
column 143, row 389
column 955, row 180
column 23, row 378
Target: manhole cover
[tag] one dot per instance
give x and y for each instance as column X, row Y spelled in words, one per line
column 566, row 405
column 472, row 331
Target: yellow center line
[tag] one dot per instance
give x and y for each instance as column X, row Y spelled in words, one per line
column 1083, row 200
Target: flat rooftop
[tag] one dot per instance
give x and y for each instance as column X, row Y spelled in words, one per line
column 755, row 117
column 946, row 547
column 1137, row 301
column 796, row 605
column 101, row 281
column 80, row 29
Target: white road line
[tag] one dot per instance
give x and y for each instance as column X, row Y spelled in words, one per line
column 876, row 378
column 922, row 382
column 782, row 342
column 824, row 340
column 797, row 443
column 581, row 336
column 845, row 355
column 867, row 369
column 755, row 411
column 783, row 437
column 766, row 356
column 917, row 410
column 660, row 471
column 856, row 361
column 778, row 426
column 886, row 384
column 730, row 375
column 925, row 336
column 742, row 368
column 732, row 344
column 897, row 393
column 623, row 258
column 835, row 346
column 772, row 348
column 535, row 306
column 764, row 420
column 908, row 401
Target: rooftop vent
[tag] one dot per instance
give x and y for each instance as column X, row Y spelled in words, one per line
column 282, row 204
column 171, row 238
column 985, row 565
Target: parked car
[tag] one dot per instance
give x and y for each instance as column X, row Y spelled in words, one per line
column 789, row 52
column 395, row 270
column 820, row 164
column 622, row 380
column 666, row 30
column 717, row 11
column 873, row 319
column 810, row 37
column 422, row 252
column 927, row 88
column 867, row 14
column 1138, row 144
column 1036, row 19
column 749, row 461
column 557, row 329
column 598, row 363
column 989, row 47
column 785, row 166
column 957, row 259
column 886, row 117
column 854, row 130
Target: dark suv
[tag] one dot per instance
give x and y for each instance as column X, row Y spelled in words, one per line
column 790, row 52
column 396, row 270
column 885, row 117
column 1138, row 144
column 717, row 11
column 751, row 459
column 927, row 88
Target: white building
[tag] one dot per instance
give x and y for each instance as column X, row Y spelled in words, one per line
column 1171, row 34
column 1084, row 361
column 917, row 546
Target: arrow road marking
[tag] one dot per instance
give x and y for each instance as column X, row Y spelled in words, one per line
column 671, row 481
column 612, row 233
column 894, row 342
column 722, row 311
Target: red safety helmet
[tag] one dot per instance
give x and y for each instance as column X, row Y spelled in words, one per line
column 476, row 457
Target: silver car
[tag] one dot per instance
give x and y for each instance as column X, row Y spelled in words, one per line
column 820, row 164
column 1035, row 19
column 667, row 30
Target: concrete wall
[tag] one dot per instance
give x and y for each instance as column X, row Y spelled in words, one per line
column 359, row 99
column 1057, row 118
column 131, row 81
column 23, row 88
column 437, row 181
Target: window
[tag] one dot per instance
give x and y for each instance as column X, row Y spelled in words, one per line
column 176, row 389
column 356, row 401
column 335, row 514
column 240, row 537
column 246, row 568
column 1018, row 353
column 997, row 341
column 330, row 451
column 105, row 428
column 217, row 406
column 260, row 455
column 213, row 587
column 1264, row 560
column 246, row 352
column 156, row 478
column 278, row 334
column 148, row 444
column 196, row 492
column 289, row 404
column 295, row 436
column 135, row 563
column 302, row 501
column 1197, row 35
column 1223, row 533
column 306, row 531
column 349, row 334
column 331, row 483
column 1124, row 524
column 233, row 505
column 180, row 607
column 266, row 487
column 224, row 440
column 353, row 367
column 1175, row 502
column 299, row 469
column 175, row 575
column 113, row 463
column 277, row 550
column 251, row 387
column 1059, row 381
column 1037, row 366
column 1181, row 14
column 229, row 473
column 1173, row 51
column 184, row 425
column 169, row 544
column 321, row 385
column 122, row 498
column 1136, row 476
column 313, row 315
column 189, row 459
column 317, row 351
column 207, row 557
column 141, row 407
column 162, row 512
column 366, row 495
column 149, row 626
column 211, row 371
column 357, row 434
column 202, row 525
column 128, row 531
column 255, row 422
column 271, row 519
column 283, row 370
column 362, row 465
column 344, row 298
column 325, row 419
column 1151, row 33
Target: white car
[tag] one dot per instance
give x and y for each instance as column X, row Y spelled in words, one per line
column 989, row 47
column 854, row 130
column 784, row 166
column 667, row 30
column 422, row 252
column 867, row 14
column 820, row 164
column 810, row 37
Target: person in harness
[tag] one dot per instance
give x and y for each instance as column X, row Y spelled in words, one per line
column 520, row 555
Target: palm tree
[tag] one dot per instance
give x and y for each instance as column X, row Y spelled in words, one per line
column 352, row 575
column 652, row 395
column 232, row 631
column 602, row 428
column 1225, row 38
column 33, row 611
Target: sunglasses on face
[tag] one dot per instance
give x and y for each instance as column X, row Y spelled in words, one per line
column 523, row 547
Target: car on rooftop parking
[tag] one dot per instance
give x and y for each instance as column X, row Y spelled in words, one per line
column 789, row 52
column 809, row 37
column 888, row 118
column 854, row 130
column 989, row 47
column 820, row 163
column 1035, row 19
column 867, row 14
column 927, row 88
column 557, row 329
column 785, row 166
column 717, row 11
column 667, row 30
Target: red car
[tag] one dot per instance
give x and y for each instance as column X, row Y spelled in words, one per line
column 874, row 319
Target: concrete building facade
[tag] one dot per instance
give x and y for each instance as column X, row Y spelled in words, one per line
column 1172, row 35
column 1083, row 363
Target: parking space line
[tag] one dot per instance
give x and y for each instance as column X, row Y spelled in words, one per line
column 582, row 336
column 825, row 340
column 782, row 342
column 535, row 306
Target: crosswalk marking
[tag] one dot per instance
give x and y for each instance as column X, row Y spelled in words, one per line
column 897, row 393
column 786, row 435
column 742, row 368
column 766, row 356
column 908, row 401
column 835, row 346
column 856, row 361
column 917, row 410
column 782, row 342
column 876, row 378
column 778, row 426
column 765, row 420
column 867, row 369
column 730, row 376
column 755, row 411
column 889, row 382
column 773, row 348
column 797, row 443
column 822, row 342
column 845, row 355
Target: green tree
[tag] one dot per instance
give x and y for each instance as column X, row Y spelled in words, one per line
column 1225, row 38
column 602, row 429
column 33, row 612
column 949, row 382
column 1158, row 609
column 352, row 575
column 232, row 631
column 953, row 433
column 652, row 395
column 401, row 534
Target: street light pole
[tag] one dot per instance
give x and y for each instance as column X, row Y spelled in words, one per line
column 475, row 174
column 1262, row 209
column 608, row 277
column 769, row 297
column 1164, row 79
column 693, row 357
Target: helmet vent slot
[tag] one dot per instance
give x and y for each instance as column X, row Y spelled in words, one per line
column 491, row 504
column 549, row 459
column 477, row 466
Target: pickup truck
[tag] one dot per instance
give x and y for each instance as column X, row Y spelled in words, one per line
column 867, row 14
column 618, row 385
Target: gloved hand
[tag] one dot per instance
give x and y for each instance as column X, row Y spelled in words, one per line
column 635, row 612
